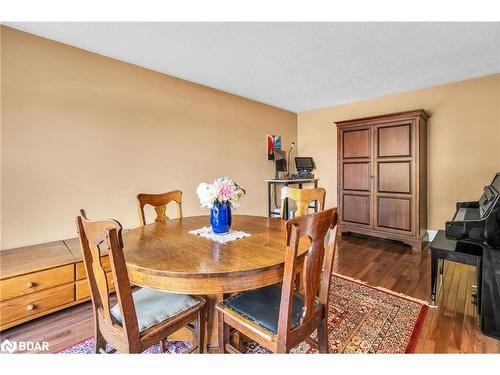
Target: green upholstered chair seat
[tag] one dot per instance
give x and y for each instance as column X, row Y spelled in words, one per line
column 153, row 307
column 262, row 306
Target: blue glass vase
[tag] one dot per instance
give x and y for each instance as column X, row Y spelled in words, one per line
column 220, row 218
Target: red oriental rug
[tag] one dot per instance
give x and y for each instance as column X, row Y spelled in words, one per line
column 362, row 319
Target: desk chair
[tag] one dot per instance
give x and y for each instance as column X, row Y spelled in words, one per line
column 303, row 198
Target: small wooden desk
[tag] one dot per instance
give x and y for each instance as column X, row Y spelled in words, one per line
column 286, row 182
column 167, row 257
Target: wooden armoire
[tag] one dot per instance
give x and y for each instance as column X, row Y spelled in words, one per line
column 381, row 181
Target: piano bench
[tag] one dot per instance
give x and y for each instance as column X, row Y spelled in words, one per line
column 454, row 251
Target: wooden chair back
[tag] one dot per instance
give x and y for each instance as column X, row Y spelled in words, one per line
column 321, row 229
column 303, row 198
column 95, row 236
column 159, row 203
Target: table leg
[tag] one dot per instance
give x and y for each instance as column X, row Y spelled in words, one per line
column 213, row 323
column 269, row 199
column 434, row 271
column 440, row 276
column 285, row 203
column 316, row 202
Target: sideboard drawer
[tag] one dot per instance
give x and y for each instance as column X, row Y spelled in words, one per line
column 36, row 303
column 36, row 281
column 83, row 286
column 80, row 268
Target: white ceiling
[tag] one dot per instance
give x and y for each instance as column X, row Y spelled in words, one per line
column 295, row 66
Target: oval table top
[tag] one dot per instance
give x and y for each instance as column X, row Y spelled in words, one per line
column 165, row 256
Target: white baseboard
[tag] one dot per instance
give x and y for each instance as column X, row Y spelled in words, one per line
column 431, row 233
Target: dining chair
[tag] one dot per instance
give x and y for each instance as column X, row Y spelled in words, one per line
column 159, row 203
column 278, row 317
column 303, row 198
column 140, row 318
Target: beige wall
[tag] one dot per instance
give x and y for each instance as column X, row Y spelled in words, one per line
column 463, row 139
column 83, row 130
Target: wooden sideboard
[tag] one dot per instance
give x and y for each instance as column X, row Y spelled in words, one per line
column 381, row 182
column 41, row 279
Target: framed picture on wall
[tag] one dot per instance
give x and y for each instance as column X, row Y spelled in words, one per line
column 270, row 147
column 273, row 143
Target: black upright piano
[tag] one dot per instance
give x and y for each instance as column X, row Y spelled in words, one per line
column 478, row 222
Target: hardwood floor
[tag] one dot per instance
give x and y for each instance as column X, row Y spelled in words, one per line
column 451, row 327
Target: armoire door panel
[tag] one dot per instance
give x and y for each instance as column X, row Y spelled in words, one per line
column 356, row 208
column 394, row 177
column 356, row 143
column 356, row 176
column 394, row 213
column 394, row 140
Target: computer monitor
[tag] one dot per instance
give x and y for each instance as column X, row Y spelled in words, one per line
column 303, row 163
column 280, row 161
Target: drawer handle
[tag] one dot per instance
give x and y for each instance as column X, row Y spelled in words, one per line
column 31, row 284
column 30, row 307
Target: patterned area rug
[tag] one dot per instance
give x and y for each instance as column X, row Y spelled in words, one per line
column 362, row 319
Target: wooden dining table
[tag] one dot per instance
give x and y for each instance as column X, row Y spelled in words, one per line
column 166, row 257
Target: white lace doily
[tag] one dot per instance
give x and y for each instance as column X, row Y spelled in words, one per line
column 220, row 238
